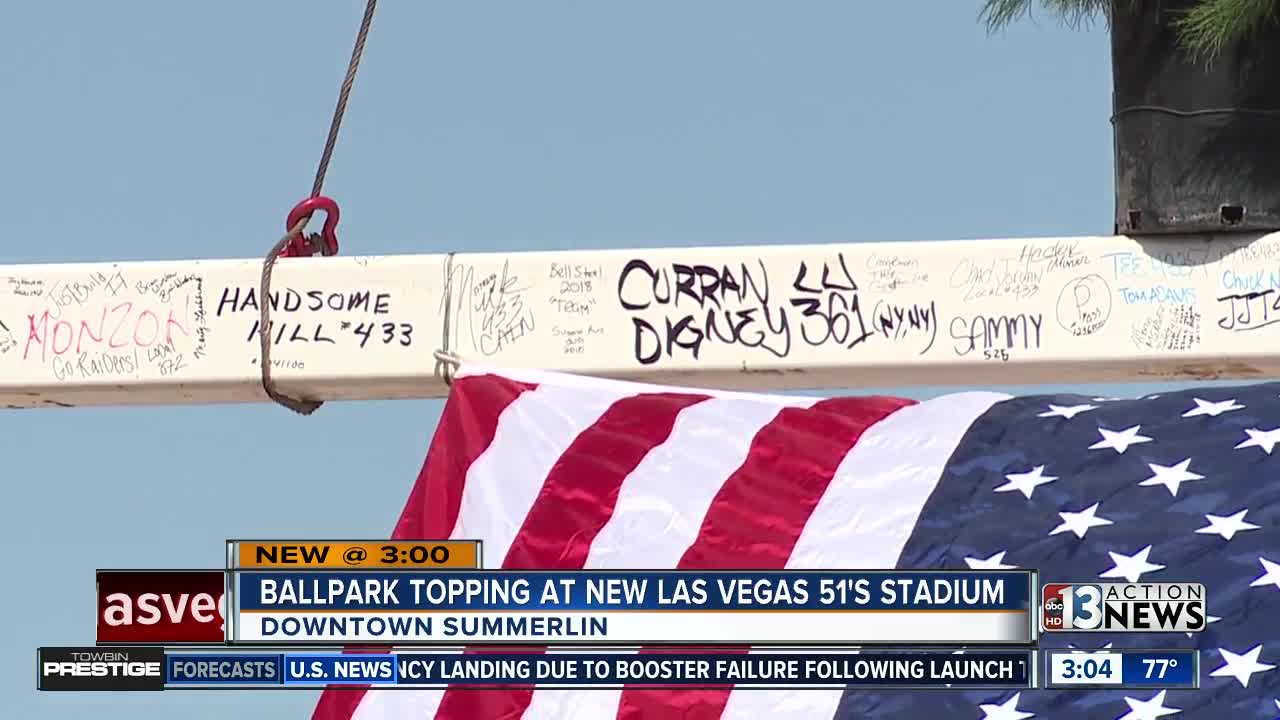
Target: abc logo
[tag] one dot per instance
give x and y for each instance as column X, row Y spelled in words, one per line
column 1053, row 613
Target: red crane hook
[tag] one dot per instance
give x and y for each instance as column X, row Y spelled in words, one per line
column 301, row 246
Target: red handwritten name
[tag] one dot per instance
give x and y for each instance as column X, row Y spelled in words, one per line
column 123, row 324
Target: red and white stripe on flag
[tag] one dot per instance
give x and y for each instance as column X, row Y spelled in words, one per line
column 565, row 472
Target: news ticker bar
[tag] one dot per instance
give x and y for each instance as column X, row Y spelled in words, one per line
column 354, row 554
column 155, row 668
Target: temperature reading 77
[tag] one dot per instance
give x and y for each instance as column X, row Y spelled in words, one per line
column 1157, row 667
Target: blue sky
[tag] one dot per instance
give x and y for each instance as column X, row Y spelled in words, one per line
column 165, row 130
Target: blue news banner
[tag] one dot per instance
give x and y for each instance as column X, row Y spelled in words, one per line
column 632, row 590
column 594, row 669
column 633, row 607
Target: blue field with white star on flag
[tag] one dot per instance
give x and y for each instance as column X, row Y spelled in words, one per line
column 1179, row 487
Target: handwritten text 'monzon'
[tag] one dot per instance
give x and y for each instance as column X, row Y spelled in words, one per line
column 117, row 325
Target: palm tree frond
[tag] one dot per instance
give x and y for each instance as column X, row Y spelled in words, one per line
column 998, row 14
column 1212, row 24
column 1204, row 30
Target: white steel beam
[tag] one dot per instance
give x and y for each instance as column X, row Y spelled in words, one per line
column 761, row 318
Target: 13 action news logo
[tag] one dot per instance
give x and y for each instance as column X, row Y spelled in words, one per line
column 1122, row 607
column 92, row 668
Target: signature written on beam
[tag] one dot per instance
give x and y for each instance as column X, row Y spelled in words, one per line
column 492, row 308
column 1250, row 311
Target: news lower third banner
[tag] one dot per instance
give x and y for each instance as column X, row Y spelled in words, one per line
column 634, row 607
column 138, row 668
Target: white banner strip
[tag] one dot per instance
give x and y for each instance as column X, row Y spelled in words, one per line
column 582, row 628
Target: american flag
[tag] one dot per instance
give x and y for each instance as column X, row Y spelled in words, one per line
column 563, row 472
